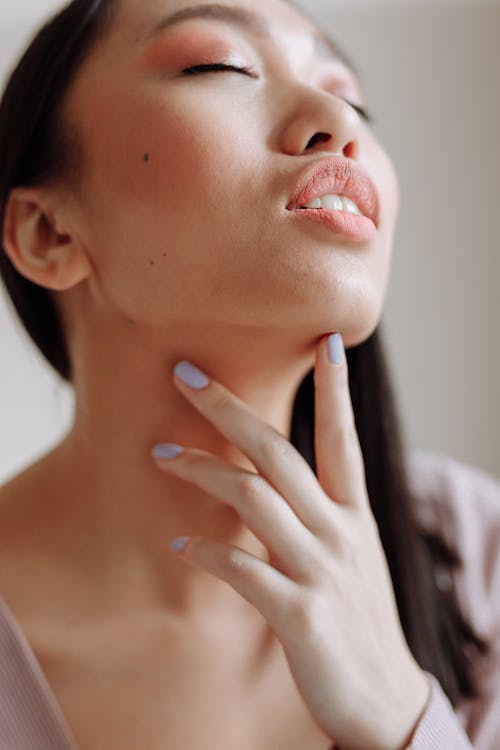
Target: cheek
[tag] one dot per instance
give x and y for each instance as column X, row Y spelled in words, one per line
column 152, row 176
column 188, row 224
column 167, row 162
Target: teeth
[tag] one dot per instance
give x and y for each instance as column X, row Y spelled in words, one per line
column 351, row 207
column 335, row 203
column 314, row 203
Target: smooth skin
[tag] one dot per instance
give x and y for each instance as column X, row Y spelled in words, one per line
column 326, row 591
column 174, row 243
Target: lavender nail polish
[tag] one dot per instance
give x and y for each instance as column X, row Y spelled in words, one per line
column 179, row 543
column 166, row 451
column 336, row 348
column 191, row 376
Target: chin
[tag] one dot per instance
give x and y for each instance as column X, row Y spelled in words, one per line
column 359, row 319
column 360, row 337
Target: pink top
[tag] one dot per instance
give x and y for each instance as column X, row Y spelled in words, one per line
column 466, row 510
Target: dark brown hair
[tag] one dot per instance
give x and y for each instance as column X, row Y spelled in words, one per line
column 35, row 146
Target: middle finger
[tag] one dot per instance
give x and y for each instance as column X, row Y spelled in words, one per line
column 263, row 510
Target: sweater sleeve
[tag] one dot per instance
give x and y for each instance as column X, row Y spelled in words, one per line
column 465, row 508
column 439, row 728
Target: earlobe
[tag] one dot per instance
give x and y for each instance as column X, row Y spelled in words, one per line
column 38, row 246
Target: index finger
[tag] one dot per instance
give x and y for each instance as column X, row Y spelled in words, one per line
column 339, row 459
column 274, row 457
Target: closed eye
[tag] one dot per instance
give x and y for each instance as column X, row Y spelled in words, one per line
column 362, row 112
column 213, row 67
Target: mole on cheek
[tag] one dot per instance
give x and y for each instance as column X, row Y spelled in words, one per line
column 146, row 157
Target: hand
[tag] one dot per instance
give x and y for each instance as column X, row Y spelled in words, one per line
column 326, row 592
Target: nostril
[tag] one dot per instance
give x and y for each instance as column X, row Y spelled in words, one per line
column 318, row 138
column 350, row 150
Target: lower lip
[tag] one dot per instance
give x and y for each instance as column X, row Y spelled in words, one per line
column 355, row 227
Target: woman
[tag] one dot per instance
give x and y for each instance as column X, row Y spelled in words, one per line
column 169, row 247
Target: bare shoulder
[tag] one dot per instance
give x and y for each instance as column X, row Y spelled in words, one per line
column 23, row 537
column 19, row 497
column 14, row 497
column 24, row 496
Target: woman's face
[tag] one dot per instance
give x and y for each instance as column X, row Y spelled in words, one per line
column 186, row 178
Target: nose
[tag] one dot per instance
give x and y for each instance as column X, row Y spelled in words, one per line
column 322, row 122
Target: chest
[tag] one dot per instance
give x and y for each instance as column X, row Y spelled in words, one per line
column 127, row 698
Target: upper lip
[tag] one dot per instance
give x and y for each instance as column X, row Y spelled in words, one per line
column 341, row 177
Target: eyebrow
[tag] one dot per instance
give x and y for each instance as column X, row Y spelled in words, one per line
column 251, row 21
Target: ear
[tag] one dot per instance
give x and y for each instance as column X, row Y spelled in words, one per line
column 39, row 241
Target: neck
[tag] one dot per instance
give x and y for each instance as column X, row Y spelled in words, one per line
column 117, row 510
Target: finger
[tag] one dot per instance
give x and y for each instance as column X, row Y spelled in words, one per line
column 261, row 585
column 339, row 460
column 275, row 458
column 261, row 508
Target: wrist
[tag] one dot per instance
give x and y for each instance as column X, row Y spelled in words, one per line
column 407, row 716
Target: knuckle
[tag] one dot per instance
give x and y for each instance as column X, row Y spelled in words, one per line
column 236, row 562
column 250, row 487
column 354, row 541
column 343, row 544
column 299, row 609
column 306, row 614
column 275, row 447
column 233, row 559
column 252, row 501
column 346, row 436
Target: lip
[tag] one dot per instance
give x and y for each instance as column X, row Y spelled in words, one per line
column 341, row 177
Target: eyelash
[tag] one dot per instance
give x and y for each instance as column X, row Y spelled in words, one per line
column 195, row 69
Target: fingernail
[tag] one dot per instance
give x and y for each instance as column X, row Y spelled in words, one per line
column 166, row 451
column 336, row 348
column 179, row 543
column 191, row 376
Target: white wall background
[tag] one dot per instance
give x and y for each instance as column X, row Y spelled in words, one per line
column 431, row 73
column 432, row 76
